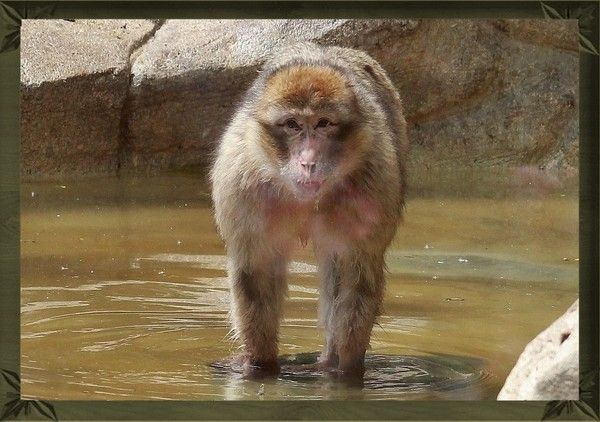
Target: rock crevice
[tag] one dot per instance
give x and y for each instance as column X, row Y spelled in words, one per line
column 74, row 80
column 124, row 135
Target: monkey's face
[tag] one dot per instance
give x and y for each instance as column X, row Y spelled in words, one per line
column 310, row 119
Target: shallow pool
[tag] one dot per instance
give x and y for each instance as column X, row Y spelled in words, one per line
column 124, row 296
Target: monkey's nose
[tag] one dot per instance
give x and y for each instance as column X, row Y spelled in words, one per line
column 309, row 167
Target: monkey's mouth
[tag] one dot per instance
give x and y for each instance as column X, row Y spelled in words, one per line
column 309, row 186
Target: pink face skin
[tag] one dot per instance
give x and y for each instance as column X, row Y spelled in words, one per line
column 314, row 151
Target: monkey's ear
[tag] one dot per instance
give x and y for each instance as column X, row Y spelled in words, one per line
column 371, row 72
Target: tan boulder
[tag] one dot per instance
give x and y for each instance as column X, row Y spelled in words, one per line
column 74, row 79
column 548, row 368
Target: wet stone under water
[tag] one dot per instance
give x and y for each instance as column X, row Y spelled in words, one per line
column 124, row 296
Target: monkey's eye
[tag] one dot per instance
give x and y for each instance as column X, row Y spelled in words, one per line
column 322, row 123
column 292, row 124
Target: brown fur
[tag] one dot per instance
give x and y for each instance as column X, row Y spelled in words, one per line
column 340, row 183
column 305, row 85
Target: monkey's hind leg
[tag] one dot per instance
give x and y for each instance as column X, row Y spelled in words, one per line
column 257, row 299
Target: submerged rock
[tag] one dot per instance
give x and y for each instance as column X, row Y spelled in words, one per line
column 548, row 368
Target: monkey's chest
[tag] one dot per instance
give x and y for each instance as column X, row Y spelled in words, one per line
column 335, row 223
column 289, row 222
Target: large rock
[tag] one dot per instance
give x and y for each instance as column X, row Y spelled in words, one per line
column 548, row 368
column 477, row 92
column 482, row 92
column 74, row 80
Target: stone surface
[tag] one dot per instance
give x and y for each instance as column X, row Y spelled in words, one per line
column 548, row 368
column 187, row 82
column 484, row 92
column 476, row 92
column 74, row 79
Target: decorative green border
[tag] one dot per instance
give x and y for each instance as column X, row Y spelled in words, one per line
column 586, row 408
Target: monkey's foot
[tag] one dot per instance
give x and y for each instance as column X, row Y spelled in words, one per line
column 351, row 376
column 253, row 368
column 327, row 362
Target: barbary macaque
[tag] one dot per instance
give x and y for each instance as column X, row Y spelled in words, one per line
column 317, row 152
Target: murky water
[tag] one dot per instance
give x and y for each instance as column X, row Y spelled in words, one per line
column 124, row 296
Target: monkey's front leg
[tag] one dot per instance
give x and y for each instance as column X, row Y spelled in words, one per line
column 360, row 286
column 257, row 299
column 327, row 296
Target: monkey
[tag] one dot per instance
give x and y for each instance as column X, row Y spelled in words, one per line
column 316, row 151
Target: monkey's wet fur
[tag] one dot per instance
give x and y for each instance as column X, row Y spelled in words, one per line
column 315, row 152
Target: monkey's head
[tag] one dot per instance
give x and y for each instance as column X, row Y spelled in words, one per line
column 310, row 127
